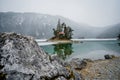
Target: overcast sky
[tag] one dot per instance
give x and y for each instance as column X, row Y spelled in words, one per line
column 92, row 12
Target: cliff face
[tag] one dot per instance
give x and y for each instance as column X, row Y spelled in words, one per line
column 22, row 59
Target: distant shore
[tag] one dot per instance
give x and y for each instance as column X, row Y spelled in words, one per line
column 86, row 39
column 43, row 41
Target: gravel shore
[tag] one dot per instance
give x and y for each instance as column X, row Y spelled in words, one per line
column 108, row 69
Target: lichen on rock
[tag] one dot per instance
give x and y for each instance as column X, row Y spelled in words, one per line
column 23, row 59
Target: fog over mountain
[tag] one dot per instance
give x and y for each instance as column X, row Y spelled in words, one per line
column 41, row 25
column 93, row 12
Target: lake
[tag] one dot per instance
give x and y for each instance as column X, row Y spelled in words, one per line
column 85, row 49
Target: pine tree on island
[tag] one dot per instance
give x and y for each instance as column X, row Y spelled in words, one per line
column 62, row 32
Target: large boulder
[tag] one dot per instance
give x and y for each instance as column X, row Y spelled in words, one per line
column 22, row 59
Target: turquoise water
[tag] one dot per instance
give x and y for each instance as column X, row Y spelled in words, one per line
column 88, row 49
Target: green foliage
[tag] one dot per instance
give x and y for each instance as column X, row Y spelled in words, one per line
column 62, row 31
column 63, row 50
column 59, row 26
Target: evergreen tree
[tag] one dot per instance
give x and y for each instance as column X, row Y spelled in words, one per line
column 65, row 31
column 70, row 33
column 62, row 32
column 54, row 32
column 59, row 27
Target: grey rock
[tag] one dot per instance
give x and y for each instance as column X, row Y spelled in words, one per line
column 78, row 64
column 77, row 76
column 23, row 59
column 60, row 78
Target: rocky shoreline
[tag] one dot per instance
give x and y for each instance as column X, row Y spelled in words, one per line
column 22, row 59
column 60, row 41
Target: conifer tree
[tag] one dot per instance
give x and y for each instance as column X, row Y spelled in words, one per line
column 59, row 28
column 62, row 32
column 55, row 33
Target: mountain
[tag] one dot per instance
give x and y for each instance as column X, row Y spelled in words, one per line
column 111, row 31
column 41, row 25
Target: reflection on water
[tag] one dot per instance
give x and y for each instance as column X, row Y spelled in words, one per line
column 63, row 50
column 86, row 49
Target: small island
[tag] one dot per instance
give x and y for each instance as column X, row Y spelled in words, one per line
column 62, row 33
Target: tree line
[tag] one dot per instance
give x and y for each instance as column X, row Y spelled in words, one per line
column 62, row 31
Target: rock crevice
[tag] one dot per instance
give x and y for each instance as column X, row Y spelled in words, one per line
column 23, row 59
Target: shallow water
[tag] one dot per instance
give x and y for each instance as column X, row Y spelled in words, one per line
column 86, row 49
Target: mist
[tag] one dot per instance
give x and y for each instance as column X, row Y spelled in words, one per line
column 97, row 13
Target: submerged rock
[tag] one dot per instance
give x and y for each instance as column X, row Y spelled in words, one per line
column 23, row 59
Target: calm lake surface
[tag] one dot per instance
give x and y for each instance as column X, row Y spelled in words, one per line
column 86, row 49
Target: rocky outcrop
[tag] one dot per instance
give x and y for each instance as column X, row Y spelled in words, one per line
column 22, row 59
